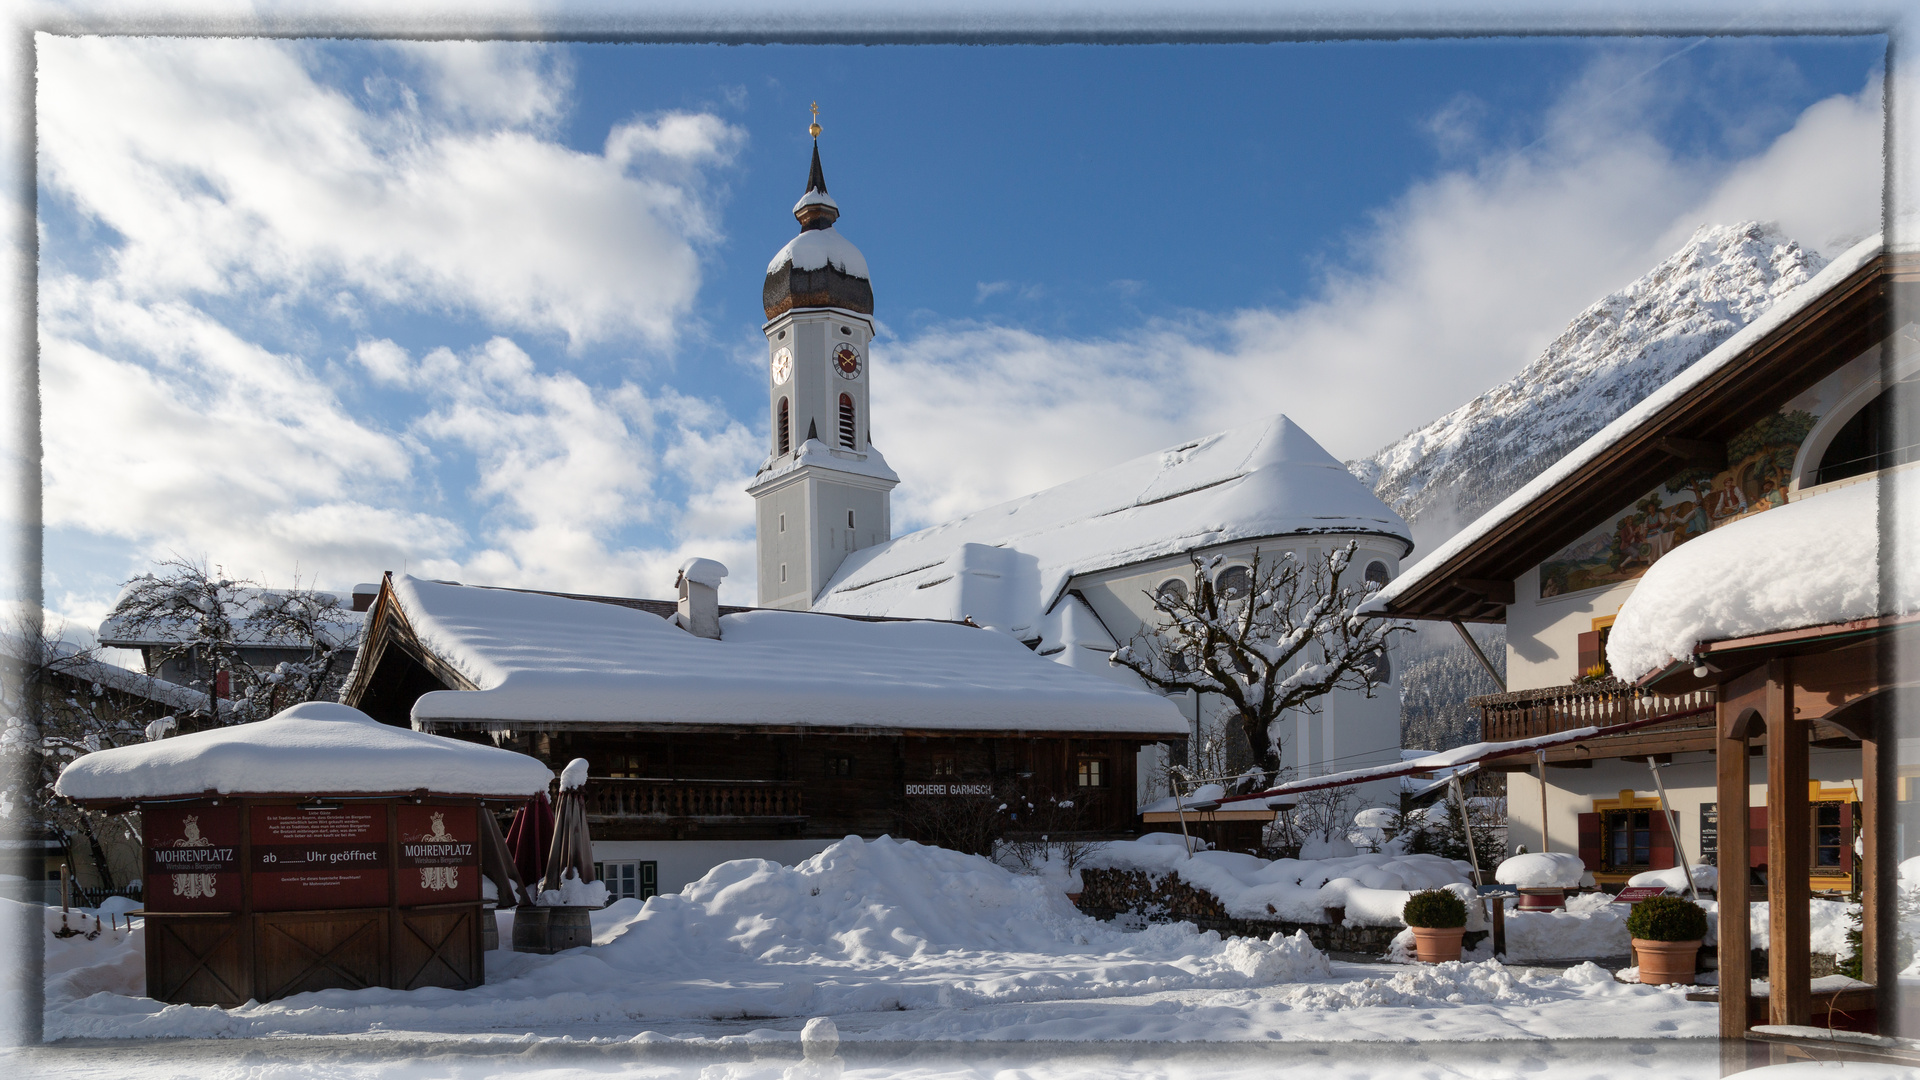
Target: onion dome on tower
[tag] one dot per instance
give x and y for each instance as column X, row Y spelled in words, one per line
column 818, row 268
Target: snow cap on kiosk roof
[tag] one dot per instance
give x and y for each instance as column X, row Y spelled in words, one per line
column 315, row 748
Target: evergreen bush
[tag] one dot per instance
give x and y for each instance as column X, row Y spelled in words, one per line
column 1435, row 909
column 1667, row 918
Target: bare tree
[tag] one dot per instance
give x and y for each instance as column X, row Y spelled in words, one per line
column 1282, row 640
column 60, row 702
column 212, row 626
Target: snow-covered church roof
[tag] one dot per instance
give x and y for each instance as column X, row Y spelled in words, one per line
column 534, row 657
column 1007, row 565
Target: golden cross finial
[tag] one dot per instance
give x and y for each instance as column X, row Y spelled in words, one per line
column 813, row 129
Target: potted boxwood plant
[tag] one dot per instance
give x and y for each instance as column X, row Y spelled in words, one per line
column 1667, row 932
column 1438, row 919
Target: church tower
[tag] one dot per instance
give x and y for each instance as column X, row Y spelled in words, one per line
column 824, row 490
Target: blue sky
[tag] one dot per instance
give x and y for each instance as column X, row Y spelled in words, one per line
column 491, row 312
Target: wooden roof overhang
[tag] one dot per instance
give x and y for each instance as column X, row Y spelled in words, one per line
column 1476, row 585
column 1852, row 670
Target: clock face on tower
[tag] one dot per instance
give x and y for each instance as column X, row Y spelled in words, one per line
column 782, row 365
column 846, row 360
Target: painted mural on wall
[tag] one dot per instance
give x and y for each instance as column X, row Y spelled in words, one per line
column 1759, row 471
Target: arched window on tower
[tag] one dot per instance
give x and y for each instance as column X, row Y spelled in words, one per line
column 846, row 420
column 783, row 426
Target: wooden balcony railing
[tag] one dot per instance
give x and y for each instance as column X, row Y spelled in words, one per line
column 619, row 797
column 1526, row 714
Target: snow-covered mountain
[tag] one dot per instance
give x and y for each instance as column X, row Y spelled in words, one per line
column 1442, row 476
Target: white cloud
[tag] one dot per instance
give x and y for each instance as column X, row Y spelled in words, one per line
column 1453, row 287
column 225, row 167
column 173, row 433
column 565, row 468
column 243, row 196
column 1822, row 180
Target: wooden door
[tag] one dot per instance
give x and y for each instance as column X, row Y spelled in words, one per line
column 197, row 959
column 298, row 951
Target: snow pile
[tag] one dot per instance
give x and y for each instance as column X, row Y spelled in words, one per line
column 1591, row 927
column 574, row 776
column 1812, row 562
column 315, row 747
column 1541, row 870
column 1594, row 926
column 1372, row 888
column 575, row 893
column 1675, row 879
column 863, row 926
column 704, row 572
column 533, row 656
column 818, row 248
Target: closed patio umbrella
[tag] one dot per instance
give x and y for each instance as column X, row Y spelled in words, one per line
column 529, row 837
column 572, row 848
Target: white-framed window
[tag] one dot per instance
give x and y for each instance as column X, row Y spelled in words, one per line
column 629, row 879
column 1234, row 583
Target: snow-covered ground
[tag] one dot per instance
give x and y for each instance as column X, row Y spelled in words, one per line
column 899, row 942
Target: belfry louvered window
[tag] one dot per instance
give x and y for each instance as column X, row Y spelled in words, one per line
column 846, row 420
column 785, row 427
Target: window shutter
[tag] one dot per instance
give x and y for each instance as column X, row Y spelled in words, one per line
column 1589, row 825
column 1846, row 837
column 1659, row 841
column 1588, row 650
column 1757, row 842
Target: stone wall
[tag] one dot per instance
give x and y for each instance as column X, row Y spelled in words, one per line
column 1108, row 894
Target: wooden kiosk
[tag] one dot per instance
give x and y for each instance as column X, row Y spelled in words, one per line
column 318, row 849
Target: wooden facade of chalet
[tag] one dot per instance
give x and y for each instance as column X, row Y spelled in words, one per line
column 752, row 781
column 1752, row 709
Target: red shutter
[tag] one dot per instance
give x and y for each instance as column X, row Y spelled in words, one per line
column 1590, row 841
column 1588, row 649
column 223, row 684
column 1659, row 841
column 1757, row 841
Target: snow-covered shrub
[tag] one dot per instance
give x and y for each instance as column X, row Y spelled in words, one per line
column 1434, row 909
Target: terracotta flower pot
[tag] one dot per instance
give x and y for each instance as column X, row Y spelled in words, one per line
column 1663, row 962
column 1437, row 944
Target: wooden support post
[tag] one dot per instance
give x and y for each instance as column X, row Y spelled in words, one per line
column 1877, row 869
column 1736, row 938
column 1789, row 933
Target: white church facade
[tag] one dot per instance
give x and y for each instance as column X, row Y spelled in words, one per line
column 1070, row 570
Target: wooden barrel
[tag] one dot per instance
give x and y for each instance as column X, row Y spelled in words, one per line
column 530, row 929
column 489, row 929
column 568, row 928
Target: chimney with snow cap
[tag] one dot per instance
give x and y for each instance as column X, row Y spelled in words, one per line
column 699, row 585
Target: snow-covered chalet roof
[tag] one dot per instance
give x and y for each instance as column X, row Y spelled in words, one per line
column 540, row 658
column 65, row 658
column 1518, row 504
column 1813, row 562
column 317, row 747
column 1007, row 565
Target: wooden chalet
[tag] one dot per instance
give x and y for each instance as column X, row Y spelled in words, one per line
column 1779, row 746
column 783, row 733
